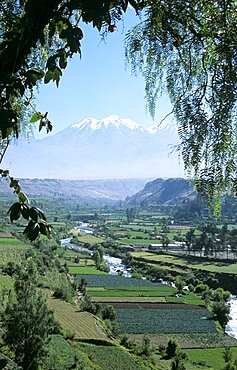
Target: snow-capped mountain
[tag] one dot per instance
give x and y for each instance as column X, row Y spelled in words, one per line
column 98, row 149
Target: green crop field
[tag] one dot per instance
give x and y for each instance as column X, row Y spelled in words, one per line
column 113, row 358
column 91, row 239
column 84, row 270
column 129, row 299
column 213, row 357
column 189, row 340
column 61, row 352
column 116, row 281
column 10, row 250
column 191, row 262
column 11, row 241
column 6, row 282
column 142, row 321
column 82, row 324
column 152, row 292
column 135, row 241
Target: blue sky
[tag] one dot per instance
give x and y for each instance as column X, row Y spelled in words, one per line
column 98, row 85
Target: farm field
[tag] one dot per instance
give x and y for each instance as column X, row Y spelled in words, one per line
column 84, row 270
column 108, row 357
column 107, row 280
column 82, row 324
column 146, row 320
column 190, row 262
column 62, row 353
column 189, row 340
column 213, row 357
column 128, row 299
column 103, row 292
column 10, row 249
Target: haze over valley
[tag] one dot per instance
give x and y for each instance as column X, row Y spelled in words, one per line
column 111, row 148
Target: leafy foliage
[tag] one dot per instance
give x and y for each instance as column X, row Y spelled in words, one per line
column 221, row 311
column 188, row 48
column 36, row 219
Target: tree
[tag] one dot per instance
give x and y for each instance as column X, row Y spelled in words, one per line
column 27, row 322
column 179, row 283
column 221, row 311
column 165, row 241
column 190, row 239
column 108, row 313
column 227, row 354
column 172, row 348
column 146, row 347
column 96, row 258
column 131, row 214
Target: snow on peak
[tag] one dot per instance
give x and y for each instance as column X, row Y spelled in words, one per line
column 85, row 123
column 169, row 126
column 110, row 121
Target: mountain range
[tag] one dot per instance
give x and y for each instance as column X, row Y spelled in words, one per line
column 133, row 192
column 113, row 190
column 111, row 148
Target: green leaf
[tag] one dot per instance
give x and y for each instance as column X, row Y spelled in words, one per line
column 15, row 212
column 44, row 229
column 25, row 211
column 36, row 117
column 48, row 77
column 33, row 214
column 32, row 230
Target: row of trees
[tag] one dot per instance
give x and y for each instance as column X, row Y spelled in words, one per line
column 212, row 241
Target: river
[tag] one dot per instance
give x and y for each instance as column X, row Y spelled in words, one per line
column 116, row 266
column 231, row 327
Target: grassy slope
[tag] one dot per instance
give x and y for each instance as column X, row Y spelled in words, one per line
column 230, row 268
column 83, row 324
column 115, row 358
column 211, row 356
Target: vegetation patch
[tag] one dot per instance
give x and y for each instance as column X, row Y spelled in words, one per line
column 61, row 352
column 84, row 270
column 189, row 340
column 6, row 282
column 188, row 262
column 128, row 299
column 213, row 357
column 106, row 280
column 113, row 358
column 142, row 321
column 82, row 325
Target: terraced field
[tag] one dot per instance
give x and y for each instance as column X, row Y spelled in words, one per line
column 186, row 262
column 113, row 358
column 82, row 324
column 148, row 319
column 10, row 249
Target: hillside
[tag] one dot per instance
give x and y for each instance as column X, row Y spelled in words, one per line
column 160, row 191
column 95, row 189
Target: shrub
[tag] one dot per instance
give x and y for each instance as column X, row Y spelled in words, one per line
column 172, row 348
column 201, row 288
column 108, row 313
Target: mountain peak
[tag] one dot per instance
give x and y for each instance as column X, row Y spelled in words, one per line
column 110, row 121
